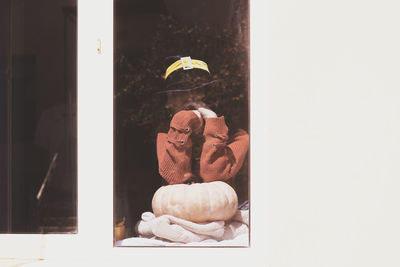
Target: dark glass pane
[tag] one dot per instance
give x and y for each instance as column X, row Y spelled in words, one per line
column 4, row 81
column 148, row 34
column 38, row 111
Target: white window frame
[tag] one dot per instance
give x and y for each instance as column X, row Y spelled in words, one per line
column 95, row 159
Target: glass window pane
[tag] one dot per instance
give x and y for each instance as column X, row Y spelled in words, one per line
column 157, row 144
column 38, row 116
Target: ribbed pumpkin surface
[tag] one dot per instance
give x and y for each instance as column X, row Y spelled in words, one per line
column 202, row 202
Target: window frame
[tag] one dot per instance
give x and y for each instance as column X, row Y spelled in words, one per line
column 95, row 139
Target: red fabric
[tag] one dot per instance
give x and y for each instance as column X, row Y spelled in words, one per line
column 221, row 156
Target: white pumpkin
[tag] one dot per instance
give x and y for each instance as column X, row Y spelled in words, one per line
column 201, row 202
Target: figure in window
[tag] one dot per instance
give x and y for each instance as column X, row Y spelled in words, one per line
column 198, row 146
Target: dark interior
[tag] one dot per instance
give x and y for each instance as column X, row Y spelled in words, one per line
column 38, row 116
column 146, row 32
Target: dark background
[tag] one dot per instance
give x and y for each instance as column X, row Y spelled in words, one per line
column 146, row 32
column 37, row 115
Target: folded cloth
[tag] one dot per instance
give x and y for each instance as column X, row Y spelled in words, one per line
column 241, row 216
column 178, row 230
column 244, row 205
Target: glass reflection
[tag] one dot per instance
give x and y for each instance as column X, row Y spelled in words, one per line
column 38, row 116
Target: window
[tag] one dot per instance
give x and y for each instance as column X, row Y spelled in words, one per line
column 150, row 39
column 95, row 98
column 38, row 116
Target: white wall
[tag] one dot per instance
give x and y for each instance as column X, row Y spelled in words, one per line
column 332, row 131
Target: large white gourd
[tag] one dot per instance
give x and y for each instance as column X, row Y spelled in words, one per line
column 201, row 202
